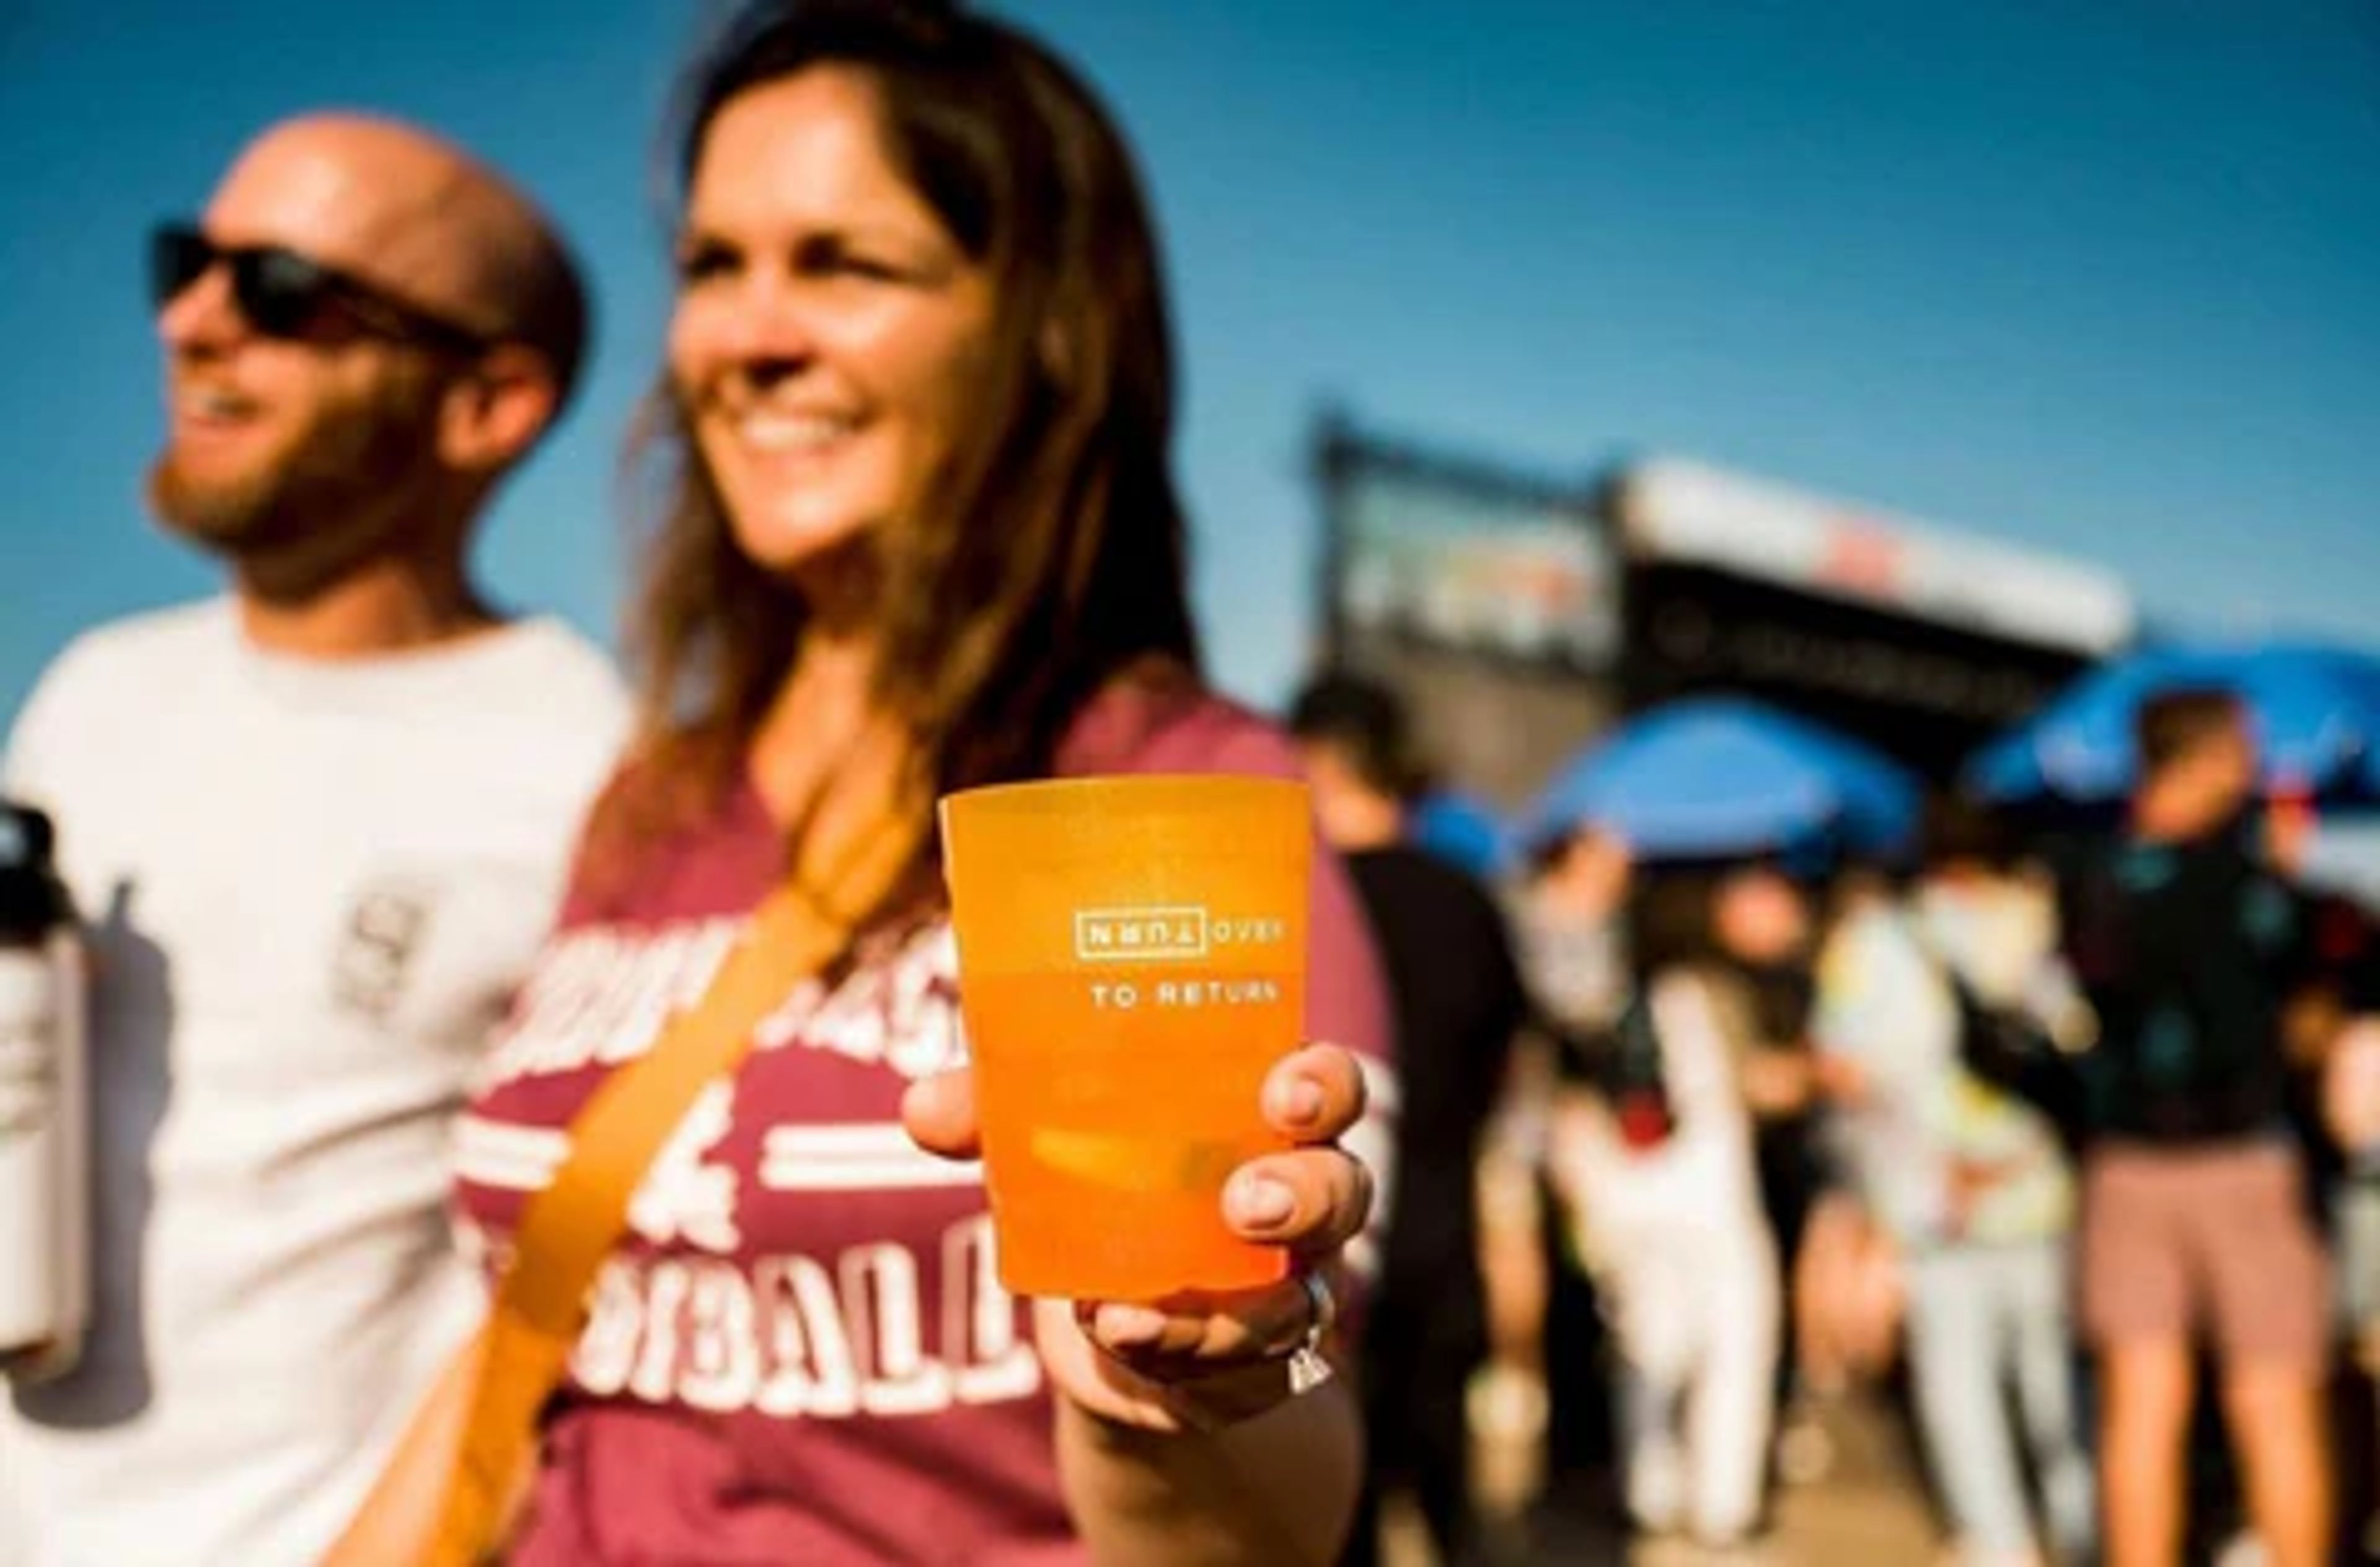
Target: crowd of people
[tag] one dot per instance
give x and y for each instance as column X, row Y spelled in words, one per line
column 406, row 917
column 2023, row 1135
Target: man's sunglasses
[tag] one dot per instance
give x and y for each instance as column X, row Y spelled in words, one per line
column 284, row 293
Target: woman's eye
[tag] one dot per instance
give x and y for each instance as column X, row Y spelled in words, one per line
column 828, row 259
column 701, row 262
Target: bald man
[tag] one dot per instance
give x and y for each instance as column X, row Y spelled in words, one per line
column 316, row 826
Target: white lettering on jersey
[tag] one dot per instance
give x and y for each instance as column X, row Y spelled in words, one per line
column 880, row 1289
column 684, row 1195
column 667, row 1284
column 899, row 1010
column 783, row 1025
column 783, row 1338
column 811, row 1373
column 599, row 997
column 607, row 1348
column 927, row 1035
column 865, row 1156
column 979, row 1334
column 721, row 1373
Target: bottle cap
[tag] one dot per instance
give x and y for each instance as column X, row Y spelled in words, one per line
column 31, row 900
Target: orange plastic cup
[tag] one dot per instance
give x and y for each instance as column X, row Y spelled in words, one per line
column 1132, row 962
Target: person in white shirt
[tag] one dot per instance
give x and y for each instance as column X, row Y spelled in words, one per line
column 316, row 828
column 1968, row 1184
column 1663, row 1169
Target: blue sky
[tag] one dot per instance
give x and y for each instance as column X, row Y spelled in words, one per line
column 2103, row 277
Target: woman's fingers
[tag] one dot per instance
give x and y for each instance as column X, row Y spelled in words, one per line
column 1203, row 1360
column 1139, row 1386
column 1312, row 1201
column 940, row 1114
column 1316, row 1198
column 1315, row 1095
column 1191, row 1334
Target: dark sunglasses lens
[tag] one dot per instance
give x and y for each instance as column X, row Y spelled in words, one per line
column 177, row 257
column 280, row 292
column 284, row 293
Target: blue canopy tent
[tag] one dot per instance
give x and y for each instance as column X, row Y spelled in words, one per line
column 2318, row 714
column 1714, row 778
column 1462, row 831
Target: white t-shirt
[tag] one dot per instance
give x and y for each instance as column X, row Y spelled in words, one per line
column 311, row 888
column 1629, row 1204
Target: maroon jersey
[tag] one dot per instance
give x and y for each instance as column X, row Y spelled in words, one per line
column 802, row 1352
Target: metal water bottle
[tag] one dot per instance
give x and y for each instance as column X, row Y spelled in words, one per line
column 45, row 1110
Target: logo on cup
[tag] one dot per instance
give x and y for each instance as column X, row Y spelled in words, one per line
column 1140, row 935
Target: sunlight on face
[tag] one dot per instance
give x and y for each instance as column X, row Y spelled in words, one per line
column 828, row 331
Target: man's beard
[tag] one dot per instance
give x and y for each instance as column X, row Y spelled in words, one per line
column 335, row 498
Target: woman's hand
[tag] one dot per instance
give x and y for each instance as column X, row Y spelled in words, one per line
column 1200, row 1360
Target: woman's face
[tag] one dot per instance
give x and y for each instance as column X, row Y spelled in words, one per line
column 828, row 332
column 1760, row 917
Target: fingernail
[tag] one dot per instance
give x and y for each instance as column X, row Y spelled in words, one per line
column 1263, row 1201
column 1301, row 1104
column 1129, row 1327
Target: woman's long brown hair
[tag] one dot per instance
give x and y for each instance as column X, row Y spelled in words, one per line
column 1053, row 553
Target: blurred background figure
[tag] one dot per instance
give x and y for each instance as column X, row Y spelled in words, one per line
column 1970, row 1185
column 2196, row 1216
column 1665, row 1171
column 1570, row 913
column 1458, row 1003
column 319, row 825
column 2350, row 1109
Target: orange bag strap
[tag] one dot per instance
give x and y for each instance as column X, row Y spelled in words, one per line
column 570, row 1227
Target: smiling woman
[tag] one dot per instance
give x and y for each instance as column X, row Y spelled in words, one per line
column 830, row 334
column 920, row 370
column 918, row 532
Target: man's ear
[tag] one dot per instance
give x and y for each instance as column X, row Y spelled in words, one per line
column 493, row 414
